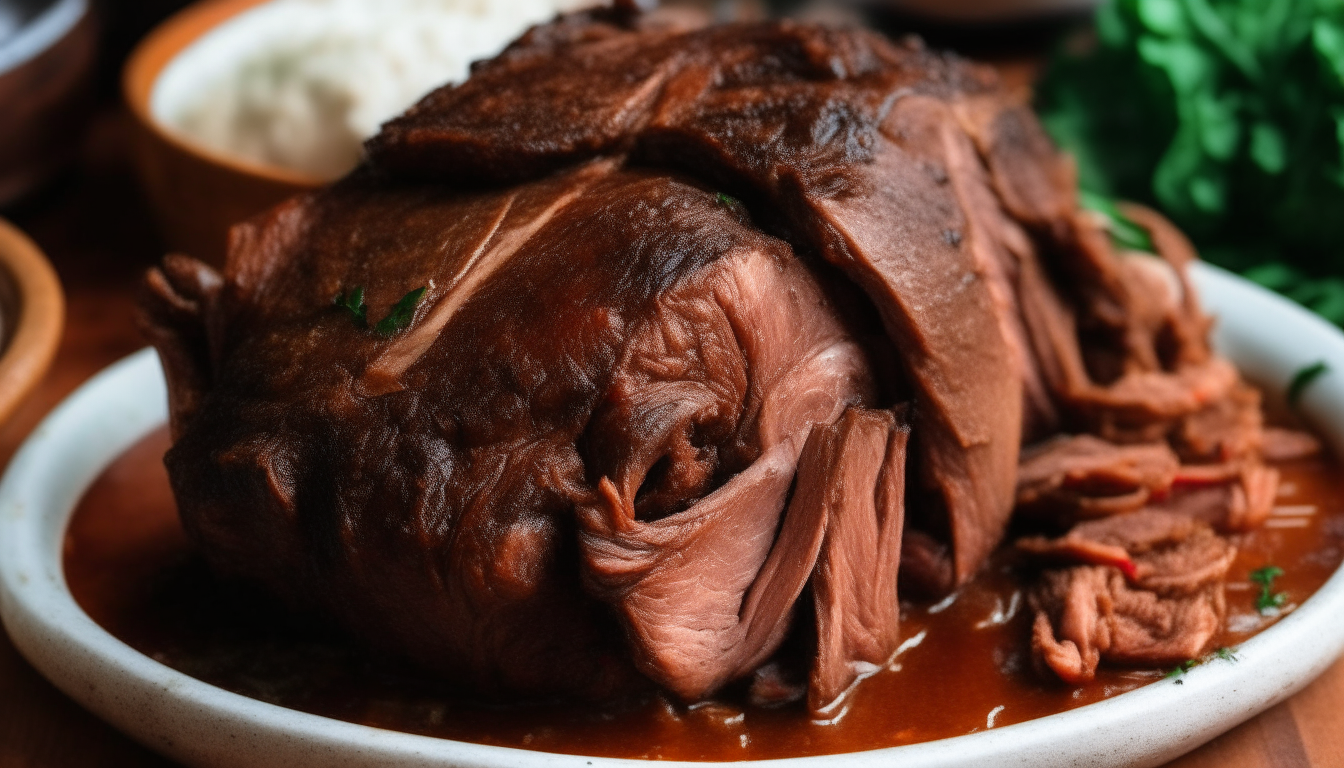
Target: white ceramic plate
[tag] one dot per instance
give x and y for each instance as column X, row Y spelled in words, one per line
column 202, row 725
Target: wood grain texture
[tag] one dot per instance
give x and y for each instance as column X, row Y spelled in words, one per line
column 97, row 232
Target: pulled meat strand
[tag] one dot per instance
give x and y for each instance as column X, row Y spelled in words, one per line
column 1139, row 588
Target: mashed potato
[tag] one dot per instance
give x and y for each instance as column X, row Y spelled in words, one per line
column 301, row 83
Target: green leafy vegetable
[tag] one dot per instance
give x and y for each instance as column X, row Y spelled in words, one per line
column 1268, row 600
column 1225, row 654
column 1229, row 117
column 401, row 315
column 1124, row 232
column 354, row 304
column 1303, row 379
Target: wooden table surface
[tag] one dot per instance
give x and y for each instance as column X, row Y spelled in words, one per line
column 96, row 231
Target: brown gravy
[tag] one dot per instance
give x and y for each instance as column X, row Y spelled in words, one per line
column 965, row 665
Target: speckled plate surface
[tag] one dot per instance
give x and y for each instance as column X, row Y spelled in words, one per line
column 201, row 725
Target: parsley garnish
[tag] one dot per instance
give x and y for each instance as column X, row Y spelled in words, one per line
column 397, row 320
column 1124, row 232
column 1179, row 670
column 402, row 313
column 727, row 201
column 1268, row 600
column 1227, row 116
column 1304, row 378
column 354, row 304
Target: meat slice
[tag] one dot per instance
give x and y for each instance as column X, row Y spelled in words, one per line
column 854, row 470
column 1229, row 429
column 1140, row 588
column 1278, row 444
column 1075, row 477
column 1069, row 479
column 1235, row 497
column 599, row 341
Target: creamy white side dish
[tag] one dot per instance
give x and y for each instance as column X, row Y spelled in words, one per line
column 300, row 84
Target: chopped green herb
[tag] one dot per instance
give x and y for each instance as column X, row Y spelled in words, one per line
column 1180, row 669
column 727, row 201
column 1268, row 600
column 354, row 304
column 1124, row 232
column 402, row 313
column 1303, row 379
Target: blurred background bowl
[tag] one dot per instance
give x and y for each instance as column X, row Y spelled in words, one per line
column 984, row 12
column 47, row 54
column 32, row 313
column 196, row 194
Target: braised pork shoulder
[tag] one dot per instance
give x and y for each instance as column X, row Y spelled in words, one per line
column 647, row 348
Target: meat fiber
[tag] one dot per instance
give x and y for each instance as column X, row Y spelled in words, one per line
column 1139, row 588
column 609, row 367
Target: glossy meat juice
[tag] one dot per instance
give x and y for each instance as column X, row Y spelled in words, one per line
column 965, row 663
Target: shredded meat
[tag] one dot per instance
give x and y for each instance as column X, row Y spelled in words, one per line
column 1138, row 588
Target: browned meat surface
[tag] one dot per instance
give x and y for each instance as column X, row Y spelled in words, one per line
column 423, row 487
column 1139, row 588
column 630, row 422
column 830, row 132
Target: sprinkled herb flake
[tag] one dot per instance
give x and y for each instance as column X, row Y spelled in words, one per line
column 1268, row 601
column 353, row 303
column 727, row 201
column 401, row 315
column 1304, row 378
column 1179, row 670
column 1176, row 673
column 397, row 320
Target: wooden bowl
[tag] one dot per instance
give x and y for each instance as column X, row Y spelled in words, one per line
column 32, row 313
column 46, row 71
column 196, row 193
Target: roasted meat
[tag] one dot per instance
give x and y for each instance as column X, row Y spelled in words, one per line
column 648, row 348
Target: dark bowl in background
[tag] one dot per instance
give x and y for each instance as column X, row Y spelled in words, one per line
column 48, row 50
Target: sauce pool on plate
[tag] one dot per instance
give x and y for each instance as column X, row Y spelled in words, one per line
column 964, row 664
